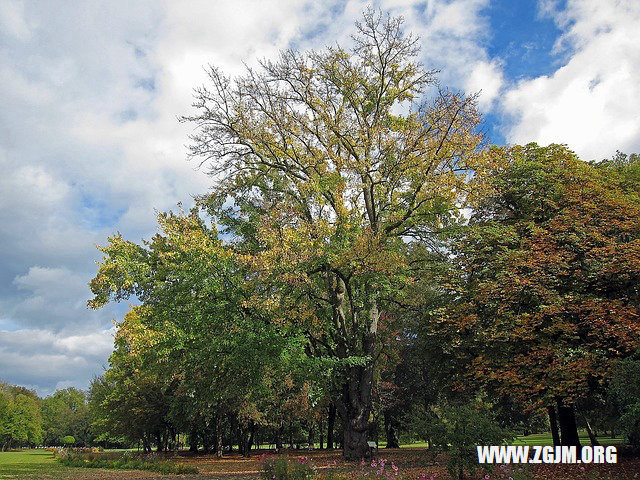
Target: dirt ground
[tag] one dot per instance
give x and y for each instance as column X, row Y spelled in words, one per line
column 412, row 464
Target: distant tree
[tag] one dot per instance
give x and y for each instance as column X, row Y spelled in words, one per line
column 66, row 412
column 20, row 417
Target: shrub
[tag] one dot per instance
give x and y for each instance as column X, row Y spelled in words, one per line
column 465, row 426
column 125, row 461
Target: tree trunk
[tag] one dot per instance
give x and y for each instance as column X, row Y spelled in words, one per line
column 355, row 403
column 355, row 409
column 568, row 426
column 217, row 437
column 553, row 421
column 321, row 433
column 193, row 440
column 331, row 425
column 390, row 431
column 592, row 436
column 310, row 437
column 279, row 438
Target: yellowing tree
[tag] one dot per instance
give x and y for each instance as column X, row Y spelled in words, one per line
column 333, row 163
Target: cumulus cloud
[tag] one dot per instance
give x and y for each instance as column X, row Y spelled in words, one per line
column 591, row 102
column 46, row 361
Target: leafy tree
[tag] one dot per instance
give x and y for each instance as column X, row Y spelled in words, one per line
column 193, row 354
column 20, row 417
column 329, row 186
column 66, row 412
column 549, row 294
column 624, row 393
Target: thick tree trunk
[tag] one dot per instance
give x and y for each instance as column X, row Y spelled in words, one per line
column 568, row 425
column 355, row 404
column 553, row 422
column 355, row 409
column 193, row 440
column 390, row 431
column 331, row 421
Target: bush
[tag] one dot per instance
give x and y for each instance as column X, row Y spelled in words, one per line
column 125, row 461
column 283, row 468
column 462, row 428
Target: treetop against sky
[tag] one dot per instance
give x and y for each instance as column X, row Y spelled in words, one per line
column 91, row 143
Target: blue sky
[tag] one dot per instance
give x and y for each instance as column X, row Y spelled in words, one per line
column 90, row 144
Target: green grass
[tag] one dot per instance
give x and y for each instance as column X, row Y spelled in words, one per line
column 546, row 439
column 543, row 439
column 31, row 464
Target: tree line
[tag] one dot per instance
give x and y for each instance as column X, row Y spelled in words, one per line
column 26, row 420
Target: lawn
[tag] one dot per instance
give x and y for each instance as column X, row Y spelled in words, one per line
column 40, row 465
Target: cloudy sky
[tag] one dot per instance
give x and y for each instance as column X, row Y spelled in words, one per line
column 90, row 144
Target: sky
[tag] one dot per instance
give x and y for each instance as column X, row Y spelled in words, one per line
column 90, row 144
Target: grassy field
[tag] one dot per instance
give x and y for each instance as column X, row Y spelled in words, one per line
column 29, row 464
column 40, row 465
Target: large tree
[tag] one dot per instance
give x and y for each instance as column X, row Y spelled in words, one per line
column 547, row 280
column 333, row 162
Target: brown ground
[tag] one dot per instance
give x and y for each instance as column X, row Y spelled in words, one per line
column 412, row 463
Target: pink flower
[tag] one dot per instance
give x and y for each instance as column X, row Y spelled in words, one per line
column 487, row 477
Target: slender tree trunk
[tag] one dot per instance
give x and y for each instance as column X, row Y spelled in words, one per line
column 568, row 426
column 206, row 444
column 321, row 432
column 252, row 434
column 553, row 422
column 279, row 438
column 592, row 436
column 217, row 436
column 311, row 432
column 390, row 431
column 331, row 425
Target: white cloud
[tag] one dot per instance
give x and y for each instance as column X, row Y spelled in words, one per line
column 487, row 79
column 90, row 143
column 592, row 102
column 46, row 361
column 12, row 20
